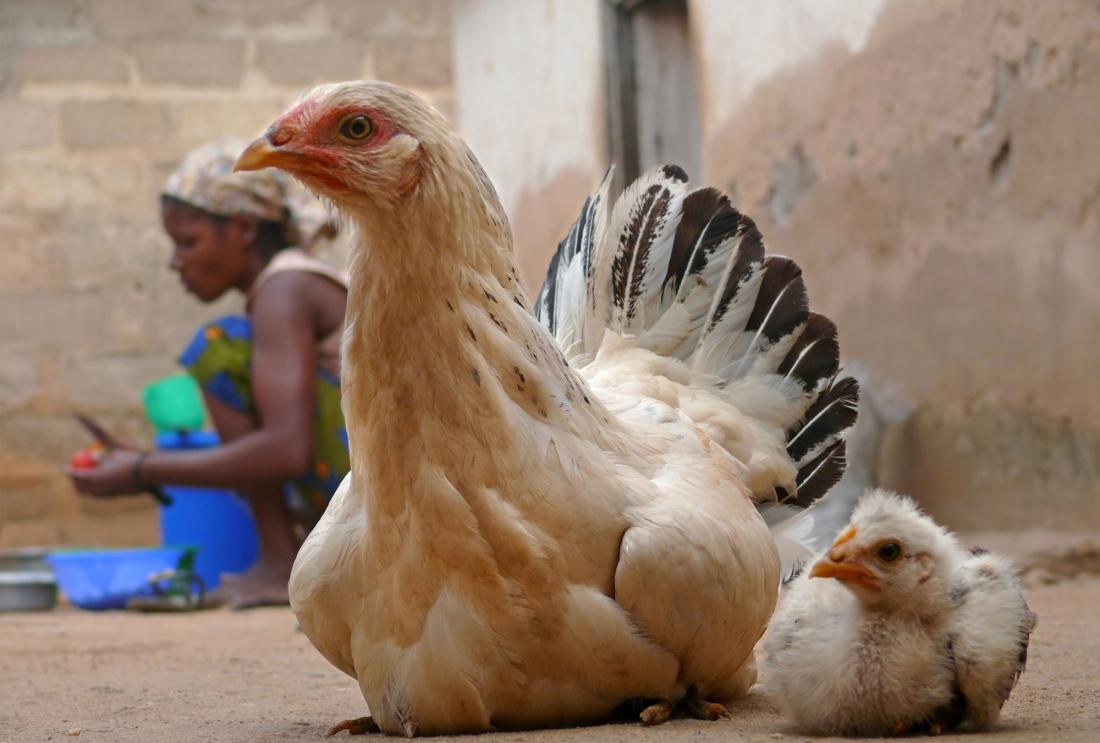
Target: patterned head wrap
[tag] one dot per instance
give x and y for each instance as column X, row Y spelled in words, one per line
column 205, row 179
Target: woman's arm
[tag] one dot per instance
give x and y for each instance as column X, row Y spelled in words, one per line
column 284, row 387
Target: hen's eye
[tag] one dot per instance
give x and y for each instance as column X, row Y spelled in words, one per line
column 355, row 127
column 889, row 552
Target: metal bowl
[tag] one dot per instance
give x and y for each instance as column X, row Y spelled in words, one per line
column 25, row 559
column 27, row 591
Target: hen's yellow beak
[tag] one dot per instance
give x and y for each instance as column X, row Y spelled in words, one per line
column 258, row 155
column 837, row 563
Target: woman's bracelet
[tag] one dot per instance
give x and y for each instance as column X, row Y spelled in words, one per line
column 136, row 474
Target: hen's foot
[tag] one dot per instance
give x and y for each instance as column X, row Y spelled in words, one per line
column 657, row 713
column 358, row 726
column 692, row 705
column 700, row 709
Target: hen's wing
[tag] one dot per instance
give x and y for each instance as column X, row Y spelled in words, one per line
column 991, row 627
column 698, row 570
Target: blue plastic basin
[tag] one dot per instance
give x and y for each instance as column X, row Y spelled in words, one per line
column 218, row 522
column 106, row 578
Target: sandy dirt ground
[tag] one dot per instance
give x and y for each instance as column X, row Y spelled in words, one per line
column 251, row 676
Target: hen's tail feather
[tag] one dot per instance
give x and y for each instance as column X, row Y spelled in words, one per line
column 777, row 318
column 782, row 304
column 832, row 413
column 630, row 264
column 687, row 275
column 731, row 300
column 817, row 477
column 815, row 356
column 706, row 214
column 564, row 295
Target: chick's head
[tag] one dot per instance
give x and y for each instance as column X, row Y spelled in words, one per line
column 891, row 556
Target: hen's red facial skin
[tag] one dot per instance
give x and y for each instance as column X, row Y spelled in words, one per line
column 307, row 141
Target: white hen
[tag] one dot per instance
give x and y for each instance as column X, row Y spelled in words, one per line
column 914, row 633
column 531, row 538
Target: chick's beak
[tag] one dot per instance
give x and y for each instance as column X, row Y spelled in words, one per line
column 263, row 153
column 841, row 570
column 838, row 563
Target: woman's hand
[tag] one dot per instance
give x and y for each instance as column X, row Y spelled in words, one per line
column 114, row 475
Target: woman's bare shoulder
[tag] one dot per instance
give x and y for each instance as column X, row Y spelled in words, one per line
column 298, row 293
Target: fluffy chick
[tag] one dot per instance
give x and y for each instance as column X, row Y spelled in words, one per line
column 897, row 629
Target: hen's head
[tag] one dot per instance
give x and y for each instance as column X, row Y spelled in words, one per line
column 364, row 145
column 891, row 556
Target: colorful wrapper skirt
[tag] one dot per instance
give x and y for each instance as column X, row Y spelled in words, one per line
column 219, row 358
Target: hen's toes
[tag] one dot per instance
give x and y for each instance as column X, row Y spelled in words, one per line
column 700, row 709
column 708, row 711
column 657, row 713
column 358, row 726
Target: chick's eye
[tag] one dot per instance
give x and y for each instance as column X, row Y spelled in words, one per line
column 889, row 552
column 355, row 127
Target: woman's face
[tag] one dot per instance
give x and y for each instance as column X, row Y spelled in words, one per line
column 207, row 253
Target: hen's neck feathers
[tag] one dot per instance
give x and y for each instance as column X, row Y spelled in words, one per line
column 444, row 367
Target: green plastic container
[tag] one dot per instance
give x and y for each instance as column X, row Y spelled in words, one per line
column 174, row 404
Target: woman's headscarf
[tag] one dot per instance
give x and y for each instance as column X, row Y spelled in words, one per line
column 205, row 179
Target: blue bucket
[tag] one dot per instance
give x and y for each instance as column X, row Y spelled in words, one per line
column 102, row 579
column 218, row 522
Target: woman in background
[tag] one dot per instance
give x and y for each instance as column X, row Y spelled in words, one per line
column 270, row 378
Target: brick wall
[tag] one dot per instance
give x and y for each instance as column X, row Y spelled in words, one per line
column 99, row 99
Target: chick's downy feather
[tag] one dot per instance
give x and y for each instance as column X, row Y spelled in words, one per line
column 544, row 520
column 896, row 629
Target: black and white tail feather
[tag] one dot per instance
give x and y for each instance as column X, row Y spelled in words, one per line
column 687, row 276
